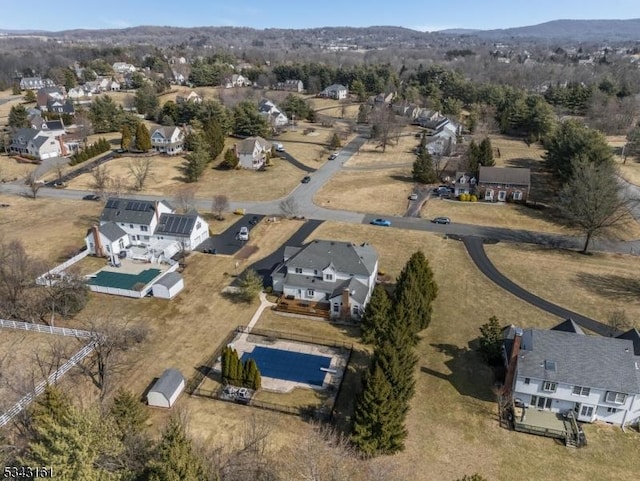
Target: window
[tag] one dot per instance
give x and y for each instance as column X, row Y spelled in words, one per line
column 581, row 391
column 298, row 270
column 328, row 277
column 146, row 237
column 315, row 272
column 616, row 397
column 130, row 226
column 549, row 386
column 612, row 410
column 310, row 292
column 540, row 402
column 198, row 225
column 336, row 308
column 586, row 411
column 144, row 228
column 517, row 195
column 527, row 380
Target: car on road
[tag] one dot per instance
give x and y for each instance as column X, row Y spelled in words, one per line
column 306, row 179
column 413, row 196
column 334, row 156
column 441, row 220
column 91, row 197
column 243, row 235
column 381, row 222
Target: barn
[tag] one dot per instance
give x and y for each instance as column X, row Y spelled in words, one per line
column 168, row 286
column 166, row 390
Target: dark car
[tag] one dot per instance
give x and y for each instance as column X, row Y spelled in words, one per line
column 306, row 179
column 381, row 222
column 254, row 220
column 91, row 197
column 441, row 220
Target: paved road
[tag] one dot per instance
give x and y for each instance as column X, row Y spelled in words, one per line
column 475, row 248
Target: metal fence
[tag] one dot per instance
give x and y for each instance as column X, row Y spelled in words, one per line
column 52, row 379
column 59, row 331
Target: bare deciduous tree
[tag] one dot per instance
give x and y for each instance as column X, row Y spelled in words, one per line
column 20, row 298
column 140, row 169
column 289, row 207
column 185, row 197
column 385, row 127
column 32, row 183
column 440, row 164
column 219, row 204
column 118, row 185
column 101, row 178
column 618, row 321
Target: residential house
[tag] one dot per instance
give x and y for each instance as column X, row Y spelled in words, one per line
column 383, row 98
column 252, row 152
column 39, row 144
column 290, row 86
column 443, row 137
column 407, row 109
column 273, row 114
column 564, row 370
column 106, row 84
column 501, row 184
column 335, row 91
column 78, row 94
column 168, row 140
column 60, row 107
column 340, row 274
column 123, row 67
column 178, row 77
column 464, row 183
column 192, row 97
column 35, row 83
column 237, row 80
column 45, row 94
column 155, row 225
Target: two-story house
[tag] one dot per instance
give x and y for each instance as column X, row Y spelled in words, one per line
column 252, row 152
column 35, row 83
column 464, row 183
column 237, row 80
column 335, row 91
column 290, row 85
column 129, row 222
column 168, row 140
column 123, row 67
column 37, row 143
column 563, row 369
column 272, row 113
column 340, row 274
column 501, row 184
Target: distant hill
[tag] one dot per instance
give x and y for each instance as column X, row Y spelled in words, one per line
column 575, row 30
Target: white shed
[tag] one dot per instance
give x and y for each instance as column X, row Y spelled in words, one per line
column 166, row 390
column 168, row 286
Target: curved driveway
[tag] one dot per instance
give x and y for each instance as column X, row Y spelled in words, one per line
column 475, row 248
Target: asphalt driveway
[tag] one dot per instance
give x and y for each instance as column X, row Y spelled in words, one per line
column 227, row 242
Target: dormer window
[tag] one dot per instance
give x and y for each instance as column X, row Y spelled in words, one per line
column 328, row 277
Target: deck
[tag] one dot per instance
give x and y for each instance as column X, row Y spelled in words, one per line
column 304, row 308
column 548, row 424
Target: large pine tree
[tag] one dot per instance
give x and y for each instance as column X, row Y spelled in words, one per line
column 415, row 291
column 397, row 364
column 378, row 426
column 423, row 171
column 376, row 315
column 143, row 138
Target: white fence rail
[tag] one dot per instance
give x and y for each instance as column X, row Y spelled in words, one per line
column 59, row 331
column 52, row 379
column 43, row 279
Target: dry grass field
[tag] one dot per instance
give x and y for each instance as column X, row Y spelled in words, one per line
column 11, row 169
column 5, row 107
column 333, row 108
column 593, row 285
column 370, row 155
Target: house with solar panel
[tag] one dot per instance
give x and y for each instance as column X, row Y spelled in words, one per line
column 333, row 279
column 144, row 230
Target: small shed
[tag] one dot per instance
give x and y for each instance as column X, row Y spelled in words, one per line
column 168, row 286
column 166, row 390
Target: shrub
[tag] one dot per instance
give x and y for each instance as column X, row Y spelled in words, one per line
column 473, row 198
column 464, row 197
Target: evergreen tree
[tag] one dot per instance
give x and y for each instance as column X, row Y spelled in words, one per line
column 214, row 138
column 195, row 163
column 128, row 412
column 125, row 141
column 415, row 291
column 376, row 316
column 143, row 138
column 378, row 425
column 225, row 363
column 423, row 171
column 230, row 160
column 485, row 153
column 247, row 120
column 176, row 459
column 397, row 364
column 105, row 114
column 491, row 341
column 363, row 114
column 239, row 369
column 15, row 89
column 29, row 96
column 334, row 142
column 473, row 157
column 18, row 117
column 251, row 373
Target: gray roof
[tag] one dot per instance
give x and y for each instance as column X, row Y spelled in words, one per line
column 112, row 231
column 290, row 251
column 357, row 290
column 335, row 88
column 54, row 125
column 129, row 211
column 176, row 224
column 27, row 134
column 568, row 326
column 247, row 145
column 169, row 280
column 591, row 361
column 634, row 336
column 168, row 383
column 346, row 257
column 40, row 140
column 166, row 132
column 504, row 175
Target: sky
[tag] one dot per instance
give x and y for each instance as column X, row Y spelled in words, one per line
column 421, row 15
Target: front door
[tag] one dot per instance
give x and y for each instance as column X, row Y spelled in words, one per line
column 586, row 413
column 502, row 195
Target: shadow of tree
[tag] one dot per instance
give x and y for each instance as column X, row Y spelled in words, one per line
column 470, row 375
column 611, row 286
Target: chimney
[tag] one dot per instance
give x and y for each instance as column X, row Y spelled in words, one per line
column 63, row 148
column 155, row 206
column 96, row 241
column 345, row 309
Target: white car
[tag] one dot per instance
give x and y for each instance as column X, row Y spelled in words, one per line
column 243, row 235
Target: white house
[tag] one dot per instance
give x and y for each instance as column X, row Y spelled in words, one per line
column 168, row 286
column 123, row 67
column 168, row 140
column 335, row 91
column 341, row 274
column 35, row 83
column 237, row 80
column 563, row 369
column 153, row 225
column 192, row 97
column 272, row 113
column 252, row 152
column 40, row 144
column 166, row 390
column 291, row 85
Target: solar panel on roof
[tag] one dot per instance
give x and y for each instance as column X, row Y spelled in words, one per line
column 112, row 204
column 137, row 206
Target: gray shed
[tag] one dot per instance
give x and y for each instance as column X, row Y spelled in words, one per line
column 166, row 390
column 168, row 286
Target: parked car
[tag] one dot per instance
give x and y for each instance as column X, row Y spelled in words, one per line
column 243, row 235
column 254, row 220
column 278, row 147
column 381, row 222
column 306, row 179
column 413, row 196
column 334, row 156
column 441, row 220
column 91, row 197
